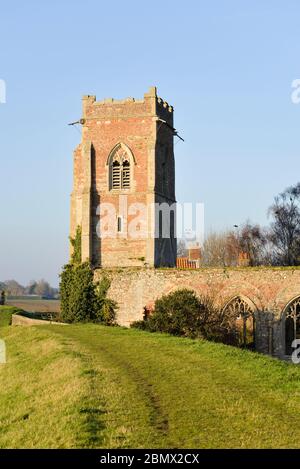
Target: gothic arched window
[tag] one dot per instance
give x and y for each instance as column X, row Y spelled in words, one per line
column 120, row 160
column 240, row 314
column 291, row 324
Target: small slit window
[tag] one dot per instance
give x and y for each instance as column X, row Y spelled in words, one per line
column 119, row 224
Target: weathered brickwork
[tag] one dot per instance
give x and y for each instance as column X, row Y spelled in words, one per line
column 143, row 129
column 125, row 158
column 269, row 290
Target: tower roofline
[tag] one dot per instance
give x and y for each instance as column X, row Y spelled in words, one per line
column 91, row 100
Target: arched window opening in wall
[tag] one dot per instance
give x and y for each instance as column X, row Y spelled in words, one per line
column 120, row 168
column 291, row 321
column 240, row 315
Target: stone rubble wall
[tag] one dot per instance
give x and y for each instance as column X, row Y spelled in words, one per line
column 268, row 289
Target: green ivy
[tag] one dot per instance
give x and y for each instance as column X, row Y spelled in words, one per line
column 82, row 300
column 105, row 307
column 76, row 245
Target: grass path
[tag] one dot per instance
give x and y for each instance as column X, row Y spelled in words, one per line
column 111, row 387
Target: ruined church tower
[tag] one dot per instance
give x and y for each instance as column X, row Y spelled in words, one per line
column 124, row 183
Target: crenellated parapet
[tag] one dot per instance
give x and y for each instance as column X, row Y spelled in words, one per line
column 165, row 105
column 150, row 105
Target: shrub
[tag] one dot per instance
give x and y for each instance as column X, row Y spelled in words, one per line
column 2, row 298
column 143, row 325
column 6, row 313
column 66, row 291
column 183, row 313
column 83, row 300
column 177, row 313
column 105, row 308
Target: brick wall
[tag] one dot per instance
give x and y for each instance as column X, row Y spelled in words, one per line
column 268, row 289
column 136, row 125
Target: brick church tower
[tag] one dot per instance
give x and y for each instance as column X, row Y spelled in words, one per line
column 124, row 183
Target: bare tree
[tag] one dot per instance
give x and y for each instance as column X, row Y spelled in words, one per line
column 220, row 250
column 223, row 249
column 30, row 289
column 253, row 241
column 285, row 228
column 182, row 248
column 13, row 288
column 43, row 288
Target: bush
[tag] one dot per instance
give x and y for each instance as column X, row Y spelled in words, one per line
column 105, row 308
column 177, row 314
column 66, row 291
column 82, row 297
column 6, row 313
column 183, row 313
column 82, row 300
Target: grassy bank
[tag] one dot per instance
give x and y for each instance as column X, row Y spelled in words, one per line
column 6, row 313
column 92, row 386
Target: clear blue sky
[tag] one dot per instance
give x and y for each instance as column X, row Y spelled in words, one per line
column 227, row 68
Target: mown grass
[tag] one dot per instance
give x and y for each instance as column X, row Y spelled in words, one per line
column 92, row 386
column 44, row 392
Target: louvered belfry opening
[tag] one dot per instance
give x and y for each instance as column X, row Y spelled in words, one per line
column 120, row 170
column 126, row 175
column 116, row 175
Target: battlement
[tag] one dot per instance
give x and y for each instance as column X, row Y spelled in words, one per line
column 165, row 105
column 151, row 103
column 105, row 101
